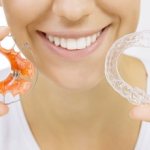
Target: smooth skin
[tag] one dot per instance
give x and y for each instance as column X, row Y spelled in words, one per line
column 72, row 106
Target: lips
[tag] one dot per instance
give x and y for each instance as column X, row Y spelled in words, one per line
column 73, row 47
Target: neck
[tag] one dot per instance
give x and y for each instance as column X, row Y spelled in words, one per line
column 71, row 119
column 89, row 116
column 78, row 110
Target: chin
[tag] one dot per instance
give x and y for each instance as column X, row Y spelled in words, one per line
column 76, row 86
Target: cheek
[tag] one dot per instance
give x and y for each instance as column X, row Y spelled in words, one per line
column 23, row 12
column 126, row 10
column 121, row 7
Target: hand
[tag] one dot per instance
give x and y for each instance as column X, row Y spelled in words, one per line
column 3, row 109
column 4, row 31
column 141, row 112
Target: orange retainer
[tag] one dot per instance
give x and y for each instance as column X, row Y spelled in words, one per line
column 19, row 80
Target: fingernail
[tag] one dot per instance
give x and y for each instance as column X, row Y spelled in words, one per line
column 4, row 28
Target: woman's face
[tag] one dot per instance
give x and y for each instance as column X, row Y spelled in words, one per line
column 80, row 32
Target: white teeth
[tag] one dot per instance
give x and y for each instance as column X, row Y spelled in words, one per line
column 74, row 44
column 88, row 41
column 51, row 39
column 71, row 44
column 81, row 43
column 94, row 38
column 63, row 43
column 57, row 41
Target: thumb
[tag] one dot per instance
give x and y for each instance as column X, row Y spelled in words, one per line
column 4, row 31
column 141, row 112
column 3, row 109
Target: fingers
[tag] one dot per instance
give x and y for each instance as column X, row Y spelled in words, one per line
column 4, row 31
column 6, row 100
column 3, row 109
column 141, row 112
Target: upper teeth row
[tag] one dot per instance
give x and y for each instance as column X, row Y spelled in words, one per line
column 74, row 44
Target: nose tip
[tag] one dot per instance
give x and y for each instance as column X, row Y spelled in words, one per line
column 72, row 10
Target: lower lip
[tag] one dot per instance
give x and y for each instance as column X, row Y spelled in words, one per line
column 74, row 54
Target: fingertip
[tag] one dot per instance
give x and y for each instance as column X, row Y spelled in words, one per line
column 132, row 113
column 141, row 112
column 4, row 31
column 3, row 109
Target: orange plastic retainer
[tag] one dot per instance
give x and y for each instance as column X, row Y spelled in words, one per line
column 18, row 82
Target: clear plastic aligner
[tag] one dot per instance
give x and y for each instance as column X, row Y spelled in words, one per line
column 134, row 95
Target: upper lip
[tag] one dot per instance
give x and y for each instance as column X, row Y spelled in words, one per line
column 73, row 34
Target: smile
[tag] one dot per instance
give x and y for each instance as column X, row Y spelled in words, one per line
column 73, row 46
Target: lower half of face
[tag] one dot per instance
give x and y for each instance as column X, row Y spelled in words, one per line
column 68, row 44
